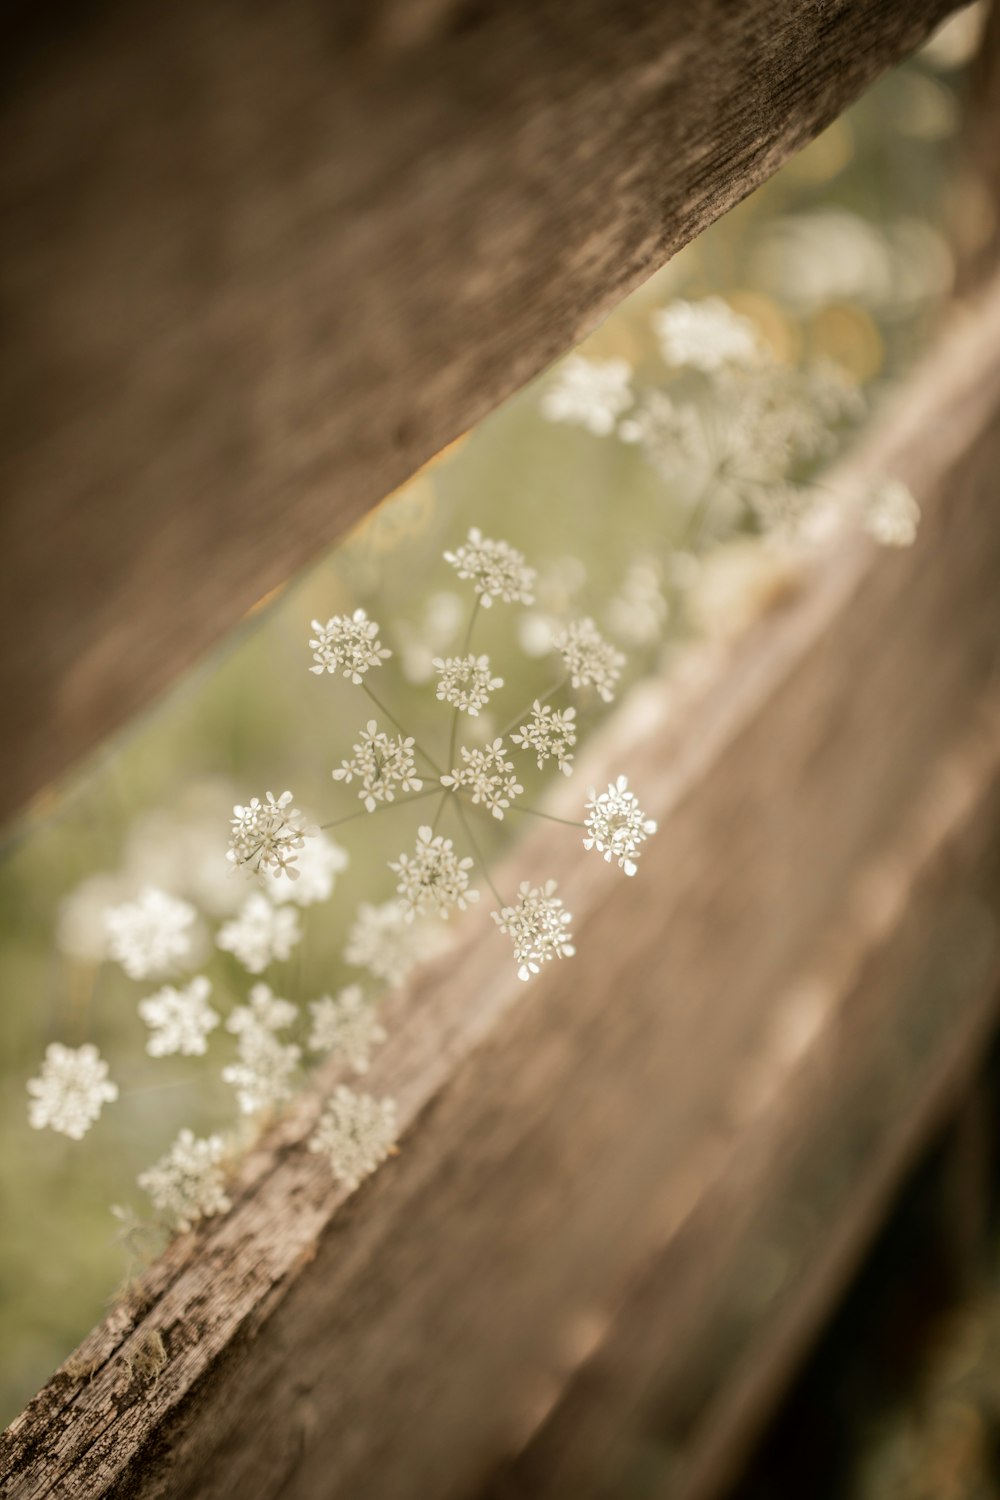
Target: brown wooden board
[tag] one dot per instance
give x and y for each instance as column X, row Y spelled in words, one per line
column 586, row 1158
column 259, row 262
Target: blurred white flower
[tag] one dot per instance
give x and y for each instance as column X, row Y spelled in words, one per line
column 319, row 864
column 262, row 1075
column 616, row 825
column 638, row 612
column 179, row 1019
column 260, row 933
column 348, row 643
column 590, row 660
column 705, row 335
column 80, row 928
column 151, row 935
column 188, row 1183
column 590, row 393
column 347, row 1024
column 538, row 927
column 891, row 514
column 496, row 569
column 355, row 1133
column 70, row 1091
column 388, row 943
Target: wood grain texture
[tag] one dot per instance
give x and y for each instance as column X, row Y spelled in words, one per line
column 550, row 1270
column 260, row 262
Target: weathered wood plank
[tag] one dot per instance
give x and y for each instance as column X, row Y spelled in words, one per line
column 561, row 1146
column 260, row 262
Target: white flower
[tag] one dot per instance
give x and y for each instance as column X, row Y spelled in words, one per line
column 590, row 660
column 260, row 933
column 497, row 570
column 347, row 1024
column 266, row 1012
column 188, row 1183
column 637, row 613
column 356, row 1133
column 383, row 764
column 537, row 926
column 705, row 335
column 660, row 428
column 488, row 775
column 150, row 935
column 616, row 825
column 71, row 1091
column 348, row 643
column 388, row 943
column 180, row 1019
column 891, row 514
column 261, row 1077
column 433, row 878
column 550, row 733
column 268, row 835
column 591, row 393
column 466, row 682
column 320, row 862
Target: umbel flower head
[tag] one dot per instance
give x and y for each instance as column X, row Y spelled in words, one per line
column 383, row 764
column 616, row 825
column 348, row 644
column 706, row 335
column 267, row 836
column 347, row 1025
column 466, row 682
column 188, row 1183
column 319, row 864
column 590, row 393
column 488, row 775
column 550, row 733
column 260, row 933
column 538, row 927
column 151, row 935
column 433, row 878
column 355, row 1133
column 179, row 1019
column 389, row 943
column 262, row 1076
column 71, row 1090
column 590, row 660
column 497, row 570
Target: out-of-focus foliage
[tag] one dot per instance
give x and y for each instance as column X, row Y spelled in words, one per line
column 842, row 255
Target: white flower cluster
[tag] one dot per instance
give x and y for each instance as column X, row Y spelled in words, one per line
column 188, row 1183
column 319, row 864
column 706, row 335
column 260, row 933
column 267, row 836
column 151, row 935
column 550, row 733
column 590, row 393
column 538, row 927
column 348, row 644
column 179, row 1019
column 590, row 660
column 466, row 682
column 497, row 570
column 383, row 764
column 616, row 825
column 262, row 1076
column 71, row 1091
column 356, row 1133
column 347, row 1025
column 891, row 514
column 387, row 942
column 488, row 775
column 638, row 612
column 433, row 878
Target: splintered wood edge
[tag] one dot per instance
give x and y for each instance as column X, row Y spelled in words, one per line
column 300, row 251
column 103, row 1411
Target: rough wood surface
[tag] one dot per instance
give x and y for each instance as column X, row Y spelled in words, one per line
column 551, row 1267
column 261, row 261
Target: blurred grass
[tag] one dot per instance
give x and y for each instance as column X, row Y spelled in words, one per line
column 253, row 717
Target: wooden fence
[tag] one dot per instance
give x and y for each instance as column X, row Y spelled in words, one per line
column 556, row 1269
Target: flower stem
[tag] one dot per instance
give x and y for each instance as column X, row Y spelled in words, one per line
column 478, row 854
column 393, row 720
column 363, row 812
column 549, row 817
